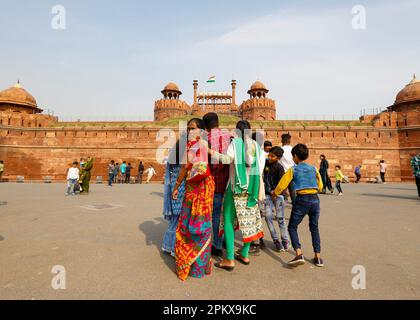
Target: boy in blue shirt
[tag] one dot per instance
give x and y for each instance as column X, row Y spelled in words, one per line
column 308, row 183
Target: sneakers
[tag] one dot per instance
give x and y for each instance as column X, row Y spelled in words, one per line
column 318, row 262
column 340, row 194
column 278, row 245
column 286, row 245
column 298, row 260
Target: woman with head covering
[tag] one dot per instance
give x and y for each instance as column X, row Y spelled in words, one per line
column 193, row 236
column 240, row 205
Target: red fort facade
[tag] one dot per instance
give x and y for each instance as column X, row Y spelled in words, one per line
column 36, row 145
column 257, row 107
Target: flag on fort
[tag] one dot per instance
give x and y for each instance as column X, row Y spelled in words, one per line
column 212, row 79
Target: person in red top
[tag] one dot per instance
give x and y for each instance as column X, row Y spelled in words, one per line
column 218, row 141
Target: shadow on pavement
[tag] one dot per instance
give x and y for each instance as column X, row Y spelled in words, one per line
column 275, row 255
column 389, row 196
column 154, row 231
column 1, row 238
column 159, row 194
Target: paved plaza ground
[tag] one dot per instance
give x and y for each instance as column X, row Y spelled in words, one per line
column 109, row 243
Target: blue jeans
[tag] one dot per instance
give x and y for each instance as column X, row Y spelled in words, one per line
column 217, row 210
column 338, row 186
column 305, row 205
column 70, row 186
column 110, row 179
column 275, row 211
column 170, row 235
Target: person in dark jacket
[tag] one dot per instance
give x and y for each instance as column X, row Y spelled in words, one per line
column 323, row 171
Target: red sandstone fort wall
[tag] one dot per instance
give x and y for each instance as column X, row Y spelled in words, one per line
column 36, row 153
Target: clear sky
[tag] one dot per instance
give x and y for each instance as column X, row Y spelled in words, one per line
column 114, row 57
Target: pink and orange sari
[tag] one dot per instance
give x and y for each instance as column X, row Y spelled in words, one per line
column 193, row 236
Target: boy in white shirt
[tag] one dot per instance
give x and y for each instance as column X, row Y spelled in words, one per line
column 72, row 178
column 287, row 160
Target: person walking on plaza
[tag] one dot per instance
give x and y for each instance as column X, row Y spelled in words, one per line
column 287, row 160
column 193, row 236
column 150, row 173
column 128, row 173
column 247, row 160
column 140, row 173
column 415, row 164
column 1, row 170
column 382, row 170
column 72, row 178
column 358, row 173
column 274, row 209
column 323, row 171
column 123, row 169
column 308, row 183
column 85, row 176
column 218, row 141
column 338, row 180
column 111, row 172
column 171, row 207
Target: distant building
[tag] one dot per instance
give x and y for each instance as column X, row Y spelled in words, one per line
column 257, row 107
column 37, row 145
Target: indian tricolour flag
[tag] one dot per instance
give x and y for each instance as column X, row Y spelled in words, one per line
column 212, row 79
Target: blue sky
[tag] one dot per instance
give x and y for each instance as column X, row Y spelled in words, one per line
column 114, row 58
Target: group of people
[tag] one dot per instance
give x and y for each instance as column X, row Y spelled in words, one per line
column 216, row 183
column 121, row 173
column 78, row 177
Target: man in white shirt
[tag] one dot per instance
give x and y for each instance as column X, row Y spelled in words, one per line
column 287, row 160
column 382, row 168
column 150, row 173
column 72, row 178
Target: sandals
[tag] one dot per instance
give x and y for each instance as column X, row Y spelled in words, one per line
column 241, row 259
column 227, row 268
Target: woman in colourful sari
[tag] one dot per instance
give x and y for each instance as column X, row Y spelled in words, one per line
column 240, row 205
column 193, row 236
column 171, row 207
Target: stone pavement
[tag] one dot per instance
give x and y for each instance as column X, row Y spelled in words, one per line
column 109, row 243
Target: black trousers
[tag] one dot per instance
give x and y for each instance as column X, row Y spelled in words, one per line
column 383, row 176
column 358, row 177
column 418, row 185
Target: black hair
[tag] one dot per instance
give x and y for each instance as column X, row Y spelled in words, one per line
column 382, row 161
column 242, row 126
column 211, row 120
column 1, row 161
column 75, row 163
column 286, row 138
column 301, row 151
column 268, row 144
column 323, row 156
column 339, row 167
column 199, row 122
column 112, row 161
column 277, row 151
